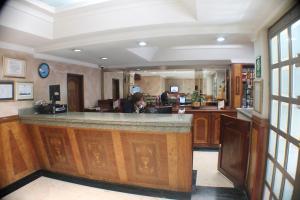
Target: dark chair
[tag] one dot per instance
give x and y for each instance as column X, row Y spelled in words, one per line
column 106, row 105
column 165, row 110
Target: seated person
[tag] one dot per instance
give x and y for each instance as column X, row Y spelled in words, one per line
column 135, row 104
column 164, row 98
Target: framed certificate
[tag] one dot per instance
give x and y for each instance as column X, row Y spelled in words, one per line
column 6, row 90
column 24, row 90
column 14, row 67
column 258, row 95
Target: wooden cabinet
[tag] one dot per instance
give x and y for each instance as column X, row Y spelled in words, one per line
column 206, row 127
column 201, row 126
column 216, row 128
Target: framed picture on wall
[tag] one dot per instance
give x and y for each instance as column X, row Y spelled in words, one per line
column 24, row 90
column 258, row 95
column 14, row 67
column 258, row 67
column 6, row 90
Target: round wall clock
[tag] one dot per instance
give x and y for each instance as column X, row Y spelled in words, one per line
column 44, row 70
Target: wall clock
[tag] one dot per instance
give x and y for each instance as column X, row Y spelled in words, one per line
column 44, row 70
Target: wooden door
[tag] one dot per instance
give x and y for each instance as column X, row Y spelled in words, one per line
column 75, row 92
column 115, row 89
column 233, row 154
column 201, row 129
column 216, row 127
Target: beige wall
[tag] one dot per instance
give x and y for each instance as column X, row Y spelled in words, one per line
column 58, row 75
column 261, row 49
column 152, row 85
column 185, row 85
column 108, row 77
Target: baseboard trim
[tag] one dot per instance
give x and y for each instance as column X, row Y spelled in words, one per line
column 213, row 149
column 98, row 184
column 20, row 183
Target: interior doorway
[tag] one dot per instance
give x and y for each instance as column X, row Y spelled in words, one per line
column 115, row 88
column 75, row 92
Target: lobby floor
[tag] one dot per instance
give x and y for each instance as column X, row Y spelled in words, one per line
column 206, row 162
column 210, row 185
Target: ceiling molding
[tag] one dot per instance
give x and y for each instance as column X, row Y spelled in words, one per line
column 141, row 33
column 28, row 50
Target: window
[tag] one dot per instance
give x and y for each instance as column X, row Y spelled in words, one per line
column 284, row 134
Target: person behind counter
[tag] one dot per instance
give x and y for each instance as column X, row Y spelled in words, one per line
column 164, row 98
column 135, row 104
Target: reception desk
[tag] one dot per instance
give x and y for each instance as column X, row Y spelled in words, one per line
column 206, row 124
column 147, row 150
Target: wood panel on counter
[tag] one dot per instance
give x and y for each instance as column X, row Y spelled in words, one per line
column 17, row 155
column 206, row 126
column 257, row 156
column 236, row 85
column 149, row 159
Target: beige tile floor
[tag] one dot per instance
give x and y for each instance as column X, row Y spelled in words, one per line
column 50, row 189
column 206, row 162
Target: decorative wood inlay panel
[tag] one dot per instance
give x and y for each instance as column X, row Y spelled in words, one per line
column 97, row 152
column 17, row 156
column 146, row 157
column 19, row 164
column 153, row 160
column 58, row 149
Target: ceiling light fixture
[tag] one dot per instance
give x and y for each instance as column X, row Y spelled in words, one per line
column 77, row 50
column 142, row 43
column 220, row 39
column 104, row 58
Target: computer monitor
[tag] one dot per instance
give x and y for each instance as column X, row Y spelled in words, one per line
column 135, row 89
column 182, row 100
column 174, row 89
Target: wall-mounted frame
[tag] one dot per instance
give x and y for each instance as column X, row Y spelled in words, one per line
column 237, row 85
column 7, row 90
column 24, row 90
column 14, row 67
column 258, row 95
column 258, row 67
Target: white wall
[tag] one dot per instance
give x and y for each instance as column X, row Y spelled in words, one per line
column 261, row 49
column 108, row 76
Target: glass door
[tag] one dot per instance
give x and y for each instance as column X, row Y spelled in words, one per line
column 282, row 166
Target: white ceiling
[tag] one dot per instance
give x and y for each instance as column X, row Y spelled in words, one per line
column 178, row 32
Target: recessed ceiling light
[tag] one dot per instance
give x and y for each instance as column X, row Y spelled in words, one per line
column 77, row 50
column 104, row 58
column 220, row 39
column 142, row 43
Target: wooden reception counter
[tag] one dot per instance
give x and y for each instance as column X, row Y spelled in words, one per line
column 147, row 150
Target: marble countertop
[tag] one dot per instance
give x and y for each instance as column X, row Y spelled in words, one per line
column 119, row 121
column 245, row 111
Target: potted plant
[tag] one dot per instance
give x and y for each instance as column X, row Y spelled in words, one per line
column 197, row 100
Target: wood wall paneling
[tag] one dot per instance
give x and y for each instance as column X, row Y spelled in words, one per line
column 58, row 148
column 17, row 155
column 258, row 148
column 97, row 154
column 153, row 160
column 146, row 158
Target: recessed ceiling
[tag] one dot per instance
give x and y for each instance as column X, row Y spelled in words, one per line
column 177, row 32
column 68, row 3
